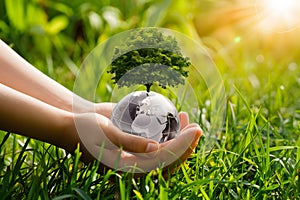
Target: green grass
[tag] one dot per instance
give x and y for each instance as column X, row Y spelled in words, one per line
column 257, row 153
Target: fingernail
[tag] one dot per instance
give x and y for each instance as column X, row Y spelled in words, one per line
column 151, row 147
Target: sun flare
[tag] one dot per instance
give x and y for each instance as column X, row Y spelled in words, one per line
column 278, row 7
column 278, row 15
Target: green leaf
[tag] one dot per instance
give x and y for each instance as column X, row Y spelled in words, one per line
column 138, row 194
column 122, row 188
column 16, row 13
column 148, row 57
column 156, row 13
column 57, row 24
column 298, row 150
column 82, row 194
column 4, row 140
column 280, row 148
column 66, row 196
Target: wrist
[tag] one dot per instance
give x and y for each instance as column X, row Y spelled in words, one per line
column 69, row 136
column 81, row 105
column 104, row 109
column 71, row 139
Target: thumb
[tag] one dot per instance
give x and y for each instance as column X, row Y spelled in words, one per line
column 129, row 142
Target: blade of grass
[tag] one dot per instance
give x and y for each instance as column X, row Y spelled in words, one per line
column 82, row 194
column 4, row 140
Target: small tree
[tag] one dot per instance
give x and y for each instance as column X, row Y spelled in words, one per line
column 149, row 57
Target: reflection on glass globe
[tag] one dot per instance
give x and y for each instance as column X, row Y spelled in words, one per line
column 147, row 114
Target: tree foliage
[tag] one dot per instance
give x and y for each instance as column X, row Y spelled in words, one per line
column 148, row 57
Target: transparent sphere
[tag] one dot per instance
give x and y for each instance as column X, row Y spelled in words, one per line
column 147, row 114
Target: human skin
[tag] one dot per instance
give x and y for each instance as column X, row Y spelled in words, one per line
column 20, row 75
column 33, row 105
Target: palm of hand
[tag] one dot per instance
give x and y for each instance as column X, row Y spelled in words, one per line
column 104, row 141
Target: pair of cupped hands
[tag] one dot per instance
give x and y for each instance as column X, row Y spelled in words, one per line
column 36, row 106
column 115, row 149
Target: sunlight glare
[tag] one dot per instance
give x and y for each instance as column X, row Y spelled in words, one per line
column 278, row 15
column 278, row 7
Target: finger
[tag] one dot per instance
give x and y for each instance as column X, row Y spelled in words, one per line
column 153, row 153
column 176, row 150
column 194, row 132
column 173, row 166
column 193, row 125
column 189, row 126
column 96, row 130
column 91, row 129
column 170, row 154
column 142, row 146
column 129, row 142
column 184, row 144
column 184, row 119
column 104, row 108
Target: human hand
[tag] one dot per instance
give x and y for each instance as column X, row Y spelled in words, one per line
column 168, row 155
column 104, row 109
column 138, row 153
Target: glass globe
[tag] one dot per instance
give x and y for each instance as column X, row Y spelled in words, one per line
column 147, row 114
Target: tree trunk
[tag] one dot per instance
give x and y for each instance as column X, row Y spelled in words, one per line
column 148, row 86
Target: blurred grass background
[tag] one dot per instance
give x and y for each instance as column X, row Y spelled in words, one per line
column 258, row 154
